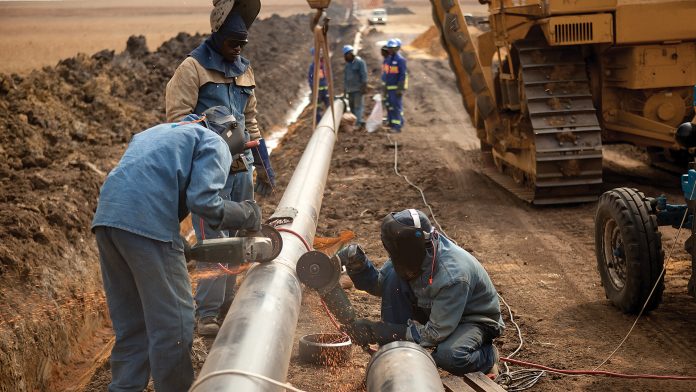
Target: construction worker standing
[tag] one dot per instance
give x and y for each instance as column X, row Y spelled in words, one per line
column 323, row 93
column 166, row 171
column 395, row 78
column 215, row 73
column 355, row 83
column 433, row 292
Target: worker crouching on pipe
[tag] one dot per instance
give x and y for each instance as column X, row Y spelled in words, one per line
column 166, row 171
column 434, row 293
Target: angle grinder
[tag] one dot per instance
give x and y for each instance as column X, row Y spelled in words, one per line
column 260, row 247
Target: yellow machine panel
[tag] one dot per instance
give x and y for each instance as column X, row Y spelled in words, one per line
column 640, row 21
column 578, row 6
column 651, row 66
column 573, row 30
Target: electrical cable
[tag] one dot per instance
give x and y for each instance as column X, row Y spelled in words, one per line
column 244, row 373
column 598, row 372
column 657, row 282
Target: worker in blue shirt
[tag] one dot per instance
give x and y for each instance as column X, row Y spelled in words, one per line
column 395, row 78
column 323, row 93
column 217, row 74
column 166, row 172
column 355, row 83
column 433, row 292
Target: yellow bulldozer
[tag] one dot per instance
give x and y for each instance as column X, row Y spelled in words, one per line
column 555, row 79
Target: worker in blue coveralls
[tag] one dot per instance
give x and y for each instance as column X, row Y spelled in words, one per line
column 355, row 83
column 215, row 73
column 395, row 78
column 323, row 93
column 166, row 171
column 434, row 293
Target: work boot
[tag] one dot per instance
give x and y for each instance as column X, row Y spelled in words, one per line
column 208, row 326
column 494, row 371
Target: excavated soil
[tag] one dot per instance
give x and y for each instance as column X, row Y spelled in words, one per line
column 62, row 129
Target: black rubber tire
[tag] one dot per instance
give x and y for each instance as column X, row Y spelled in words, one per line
column 625, row 213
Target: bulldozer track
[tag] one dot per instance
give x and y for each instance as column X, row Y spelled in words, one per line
column 567, row 147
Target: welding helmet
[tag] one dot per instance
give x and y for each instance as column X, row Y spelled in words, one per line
column 220, row 120
column 406, row 235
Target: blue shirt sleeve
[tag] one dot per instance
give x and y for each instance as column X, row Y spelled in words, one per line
column 363, row 72
column 209, row 171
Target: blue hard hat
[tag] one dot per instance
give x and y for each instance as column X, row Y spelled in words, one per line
column 392, row 43
column 347, row 49
column 398, row 42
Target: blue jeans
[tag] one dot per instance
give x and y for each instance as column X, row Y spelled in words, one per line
column 468, row 349
column 355, row 102
column 395, row 110
column 149, row 297
column 212, row 293
column 322, row 103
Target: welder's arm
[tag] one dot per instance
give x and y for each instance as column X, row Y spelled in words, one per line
column 209, row 172
column 250, row 121
column 182, row 91
column 447, row 310
column 368, row 278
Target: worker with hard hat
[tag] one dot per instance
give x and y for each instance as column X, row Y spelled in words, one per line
column 355, row 83
column 395, row 78
column 323, row 93
column 166, row 171
column 433, row 292
column 216, row 73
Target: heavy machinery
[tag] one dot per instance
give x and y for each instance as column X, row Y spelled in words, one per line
column 555, row 79
column 628, row 244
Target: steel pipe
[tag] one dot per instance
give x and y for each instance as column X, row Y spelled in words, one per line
column 257, row 335
column 403, row 366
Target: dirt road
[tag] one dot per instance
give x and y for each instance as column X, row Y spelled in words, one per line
column 541, row 259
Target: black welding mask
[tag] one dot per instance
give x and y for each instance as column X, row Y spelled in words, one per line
column 405, row 236
column 220, row 120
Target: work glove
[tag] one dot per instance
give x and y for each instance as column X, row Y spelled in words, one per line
column 353, row 258
column 364, row 332
column 265, row 176
column 363, row 89
column 245, row 215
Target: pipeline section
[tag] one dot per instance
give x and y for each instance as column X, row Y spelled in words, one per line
column 403, row 366
column 257, row 335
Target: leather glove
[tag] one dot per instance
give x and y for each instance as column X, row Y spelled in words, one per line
column 353, row 258
column 253, row 220
column 364, row 332
column 265, row 176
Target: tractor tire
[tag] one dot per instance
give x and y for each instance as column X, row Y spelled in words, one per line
column 629, row 251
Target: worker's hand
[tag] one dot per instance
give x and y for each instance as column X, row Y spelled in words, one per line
column 252, row 212
column 353, row 258
column 399, row 93
column 361, row 332
column 363, row 88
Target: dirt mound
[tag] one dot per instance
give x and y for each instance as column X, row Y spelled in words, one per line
column 429, row 42
column 62, row 129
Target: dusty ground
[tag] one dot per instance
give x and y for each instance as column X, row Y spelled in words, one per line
column 541, row 259
column 36, row 34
